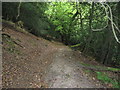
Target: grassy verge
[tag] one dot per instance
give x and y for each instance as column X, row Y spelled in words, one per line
column 103, row 77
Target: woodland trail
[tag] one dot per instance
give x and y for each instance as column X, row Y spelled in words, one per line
column 65, row 72
column 33, row 62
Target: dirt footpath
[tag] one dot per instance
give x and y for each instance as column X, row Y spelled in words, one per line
column 65, row 72
column 32, row 62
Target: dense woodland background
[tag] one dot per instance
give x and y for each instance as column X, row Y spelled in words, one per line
column 92, row 28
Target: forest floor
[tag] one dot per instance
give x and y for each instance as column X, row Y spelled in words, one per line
column 33, row 62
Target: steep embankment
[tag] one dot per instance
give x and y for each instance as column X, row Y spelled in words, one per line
column 31, row 62
column 25, row 57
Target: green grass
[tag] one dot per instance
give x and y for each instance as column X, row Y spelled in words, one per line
column 113, row 69
column 105, row 79
column 102, row 76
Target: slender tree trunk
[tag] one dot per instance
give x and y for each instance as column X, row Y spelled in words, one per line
column 90, row 30
column 19, row 10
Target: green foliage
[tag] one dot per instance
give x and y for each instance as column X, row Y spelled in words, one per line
column 71, row 23
column 32, row 14
column 9, row 11
column 105, row 79
column 60, row 15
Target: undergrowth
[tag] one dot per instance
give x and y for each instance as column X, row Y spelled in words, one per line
column 103, row 77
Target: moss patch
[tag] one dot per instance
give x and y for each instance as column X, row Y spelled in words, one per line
column 10, row 45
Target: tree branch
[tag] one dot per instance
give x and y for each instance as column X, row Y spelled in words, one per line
column 112, row 23
column 104, row 26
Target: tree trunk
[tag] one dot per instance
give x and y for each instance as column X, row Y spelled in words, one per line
column 107, row 47
column 90, row 29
